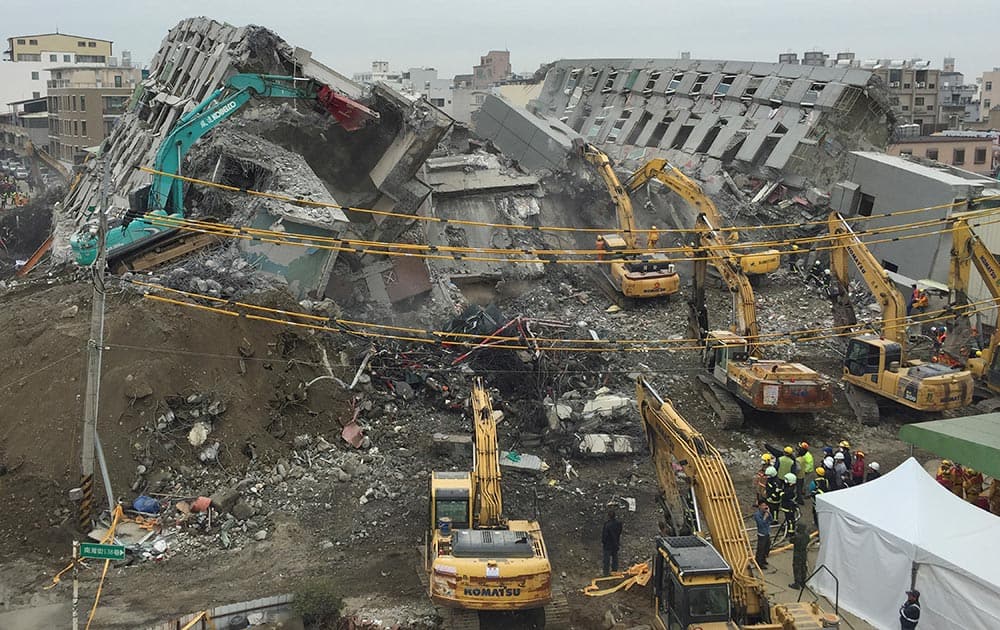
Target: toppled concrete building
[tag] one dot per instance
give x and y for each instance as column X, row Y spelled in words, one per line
column 277, row 146
column 776, row 121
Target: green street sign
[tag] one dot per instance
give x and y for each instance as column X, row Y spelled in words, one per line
column 102, row 552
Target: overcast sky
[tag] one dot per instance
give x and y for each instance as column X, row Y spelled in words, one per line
column 450, row 35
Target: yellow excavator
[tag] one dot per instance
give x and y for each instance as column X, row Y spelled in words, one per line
column 968, row 249
column 705, row 574
column 754, row 263
column 475, row 558
column 630, row 275
column 876, row 367
column 737, row 377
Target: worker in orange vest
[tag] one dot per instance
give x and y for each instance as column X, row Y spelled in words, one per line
column 602, row 247
column 652, row 238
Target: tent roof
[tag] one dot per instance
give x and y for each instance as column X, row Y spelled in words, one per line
column 909, row 505
column 971, row 440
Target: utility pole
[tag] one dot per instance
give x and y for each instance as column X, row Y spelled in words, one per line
column 94, row 346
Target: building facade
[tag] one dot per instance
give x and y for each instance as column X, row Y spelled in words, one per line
column 58, row 48
column 914, row 92
column 83, row 104
column 989, row 94
column 974, row 154
column 493, row 68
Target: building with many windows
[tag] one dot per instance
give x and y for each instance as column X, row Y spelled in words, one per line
column 84, row 103
column 989, row 95
column 971, row 152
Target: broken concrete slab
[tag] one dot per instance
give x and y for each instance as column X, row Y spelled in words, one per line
column 607, row 406
column 534, row 141
column 522, row 461
column 602, row 444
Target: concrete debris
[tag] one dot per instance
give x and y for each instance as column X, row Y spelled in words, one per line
column 601, row 444
column 607, row 405
column 199, row 433
column 522, row 461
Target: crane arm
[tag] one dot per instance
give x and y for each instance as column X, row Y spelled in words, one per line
column 685, row 187
column 847, row 245
column 623, row 205
column 728, row 264
column 968, row 249
column 671, row 439
column 486, row 461
column 223, row 103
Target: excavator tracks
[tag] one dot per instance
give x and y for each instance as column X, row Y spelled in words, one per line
column 863, row 403
column 459, row 619
column 728, row 410
column 557, row 612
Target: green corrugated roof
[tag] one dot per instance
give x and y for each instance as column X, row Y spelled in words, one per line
column 971, row 440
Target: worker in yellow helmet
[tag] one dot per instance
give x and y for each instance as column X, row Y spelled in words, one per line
column 652, row 238
column 973, row 485
column 944, row 474
column 818, row 486
column 760, row 480
column 786, row 462
column 804, row 462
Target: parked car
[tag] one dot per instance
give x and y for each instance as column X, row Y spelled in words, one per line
column 21, row 174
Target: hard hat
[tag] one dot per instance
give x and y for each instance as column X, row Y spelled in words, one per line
column 795, row 247
column 789, row 450
column 652, row 227
column 845, row 444
column 803, row 444
column 828, row 450
column 838, row 456
column 979, row 353
column 970, row 471
column 820, row 471
column 859, row 453
column 826, row 272
column 766, row 457
column 828, row 462
column 874, row 466
column 790, row 478
column 946, row 462
column 771, row 471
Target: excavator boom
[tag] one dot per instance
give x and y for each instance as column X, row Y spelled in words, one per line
column 745, row 316
column 486, row 461
column 623, row 205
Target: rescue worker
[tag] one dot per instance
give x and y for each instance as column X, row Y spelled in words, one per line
column 804, row 462
column 793, row 259
column 841, row 474
column 611, row 537
column 874, row 471
column 972, row 484
column 957, row 481
column 845, row 448
column 993, row 496
column 944, row 474
column 774, row 490
column 788, row 506
column 760, row 481
column 909, row 612
column 800, row 552
column 914, row 294
column 601, row 247
column 815, row 275
column 786, row 462
column 921, row 302
column 858, row 469
column 652, row 238
column 818, row 486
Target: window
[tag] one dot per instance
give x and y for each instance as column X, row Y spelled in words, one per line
column 115, row 104
column 67, row 58
column 81, row 44
column 932, row 154
column 92, row 44
column 76, row 128
column 83, row 128
column 34, row 76
column 437, row 102
column 73, row 100
column 958, row 156
column 906, row 151
column 930, row 108
column 83, row 103
column 32, row 42
column 866, row 205
column 986, row 103
column 21, row 41
column 980, row 156
column 919, row 100
column 989, row 84
column 480, row 98
column 118, row 80
column 90, row 59
column 906, row 86
column 906, row 108
column 36, row 95
column 109, row 125
column 28, row 57
column 53, row 57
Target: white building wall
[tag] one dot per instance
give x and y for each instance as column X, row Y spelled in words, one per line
column 17, row 82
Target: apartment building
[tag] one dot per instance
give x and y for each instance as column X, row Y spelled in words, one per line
column 989, row 95
column 914, row 92
column 84, row 103
column 58, row 48
column 974, row 154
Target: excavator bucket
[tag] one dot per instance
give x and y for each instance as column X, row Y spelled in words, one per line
column 349, row 113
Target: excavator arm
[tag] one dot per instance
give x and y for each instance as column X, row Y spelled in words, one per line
column 623, row 205
column 968, row 249
column 673, row 441
column 672, row 177
column 167, row 192
column 728, row 264
column 847, row 246
column 488, row 510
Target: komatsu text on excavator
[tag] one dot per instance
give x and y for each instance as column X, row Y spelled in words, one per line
column 165, row 196
column 705, row 575
column 876, row 367
column 737, row 377
column 477, row 559
column 631, row 275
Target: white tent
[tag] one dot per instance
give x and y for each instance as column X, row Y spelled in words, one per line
column 874, row 535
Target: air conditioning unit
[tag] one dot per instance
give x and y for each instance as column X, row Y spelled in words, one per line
column 921, row 85
column 894, row 84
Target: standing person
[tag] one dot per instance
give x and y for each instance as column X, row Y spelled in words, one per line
column 762, row 517
column 858, row 469
column 804, row 460
column 944, row 474
column 800, row 554
column 914, row 294
column 774, row 490
column 958, row 481
column 841, row 474
column 760, row 480
column 601, row 246
column 818, row 486
column 610, row 541
column 845, row 448
column 652, row 238
column 793, row 259
column 909, row 612
column 874, row 471
column 788, row 506
column 973, row 485
column 786, row 462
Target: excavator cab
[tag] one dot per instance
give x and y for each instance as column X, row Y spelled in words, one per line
column 691, row 584
column 866, row 358
column 721, row 347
